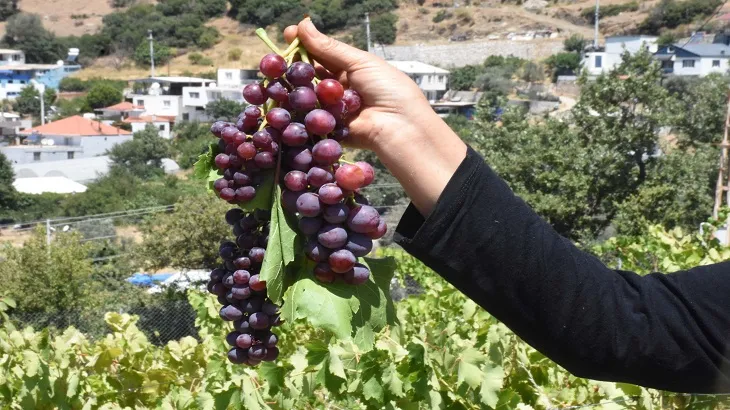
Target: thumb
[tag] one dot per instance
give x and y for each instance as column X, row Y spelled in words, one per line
column 332, row 54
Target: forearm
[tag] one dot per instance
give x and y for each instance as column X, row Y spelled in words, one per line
column 423, row 157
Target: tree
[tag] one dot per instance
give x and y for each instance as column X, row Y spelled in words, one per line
column 463, row 78
column 187, row 238
column 163, row 54
column 143, row 155
column 8, row 8
column 117, row 4
column 103, row 95
column 532, row 72
column 7, row 191
column 28, row 103
column 191, row 140
column 701, row 105
column 224, row 109
column 575, row 43
column 26, row 32
column 563, row 64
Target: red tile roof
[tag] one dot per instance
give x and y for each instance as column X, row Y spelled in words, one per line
column 76, row 126
column 123, row 106
column 150, row 118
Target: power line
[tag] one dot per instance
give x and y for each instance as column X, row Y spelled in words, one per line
column 717, row 11
column 160, row 208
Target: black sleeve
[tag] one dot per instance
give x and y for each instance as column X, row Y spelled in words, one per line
column 669, row 332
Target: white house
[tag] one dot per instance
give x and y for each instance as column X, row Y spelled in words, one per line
column 606, row 59
column 236, row 77
column 69, row 138
column 162, row 123
column 163, row 97
column 695, row 59
column 432, row 80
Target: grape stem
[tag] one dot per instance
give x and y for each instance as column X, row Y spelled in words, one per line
column 292, row 48
column 346, row 161
column 261, row 33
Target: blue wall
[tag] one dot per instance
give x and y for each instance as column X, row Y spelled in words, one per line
column 53, row 77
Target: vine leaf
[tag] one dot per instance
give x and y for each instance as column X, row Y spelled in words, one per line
column 491, row 384
column 350, row 312
column 205, row 162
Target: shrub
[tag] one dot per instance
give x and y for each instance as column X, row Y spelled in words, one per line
column 574, row 43
column 441, row 16
column 589, row 14
column 234, row 54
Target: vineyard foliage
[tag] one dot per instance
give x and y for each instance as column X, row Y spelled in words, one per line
column 446, row 353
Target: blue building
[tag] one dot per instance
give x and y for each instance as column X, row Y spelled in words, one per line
column 15, row 74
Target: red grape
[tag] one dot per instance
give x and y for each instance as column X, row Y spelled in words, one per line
column 319, row 176
column 324, row 273
column 330, row 194
column 326, row 152
column 277, row 91
column 256, row 283
column 303, row 99
column 227, row 194
column 254, row 94
column 300, row 74
column 342, row 261
column 380, row 231
column 357, row 275
column 272, row 65
column 350, row 177
column 295, row 135
column 296, row 180
column 352, row 101
column 329, row 91
column 265, row 160
column 245, row 194
column 278, row 118
column 246, row 151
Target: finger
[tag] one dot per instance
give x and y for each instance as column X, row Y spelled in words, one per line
column 333, row 54
column 290, row 33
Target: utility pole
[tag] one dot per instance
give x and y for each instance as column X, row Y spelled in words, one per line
column 367, row 29
column 48, row 236
column 595, row 33
column 43, row 105
column 723, row 177
column 152, row 53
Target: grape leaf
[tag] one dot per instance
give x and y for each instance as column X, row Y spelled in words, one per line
column 372, row 390
column 349, row 312
column 491, row 384
column 282, row 250
column 205, row 162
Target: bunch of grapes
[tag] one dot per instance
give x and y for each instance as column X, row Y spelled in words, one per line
column 242, row 293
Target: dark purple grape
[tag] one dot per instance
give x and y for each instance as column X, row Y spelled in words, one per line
column 249, row 222
column 246, row 150
column 222, row 161
column 223, row 300
column 300, row 74
column 245, row 194
column 316, row 252
column 277, row 91
column 233, row 216
column 235, row 162
column 332, row 236
column 272, row 65
column 330, row 194
column 329, row 91
column 303, row 99
column 278, row 118
column 259, row 320
column 289, row 200
column 242, row 326
column 257, row 352
column 242, row 179
column 247, row 241
column 319, row 176
column 253, row 305
column 359, row 244
column 262, row 139
column 220, row 184
column 257, row 255
column 227, row 252
column 272, row 353
column 241, row 277
column 308, row 205
column 357, row 275
column 336, row 214
column 262, row 215
column 237, row 356
column 341, row 134
column 380, row 232
column 242, row 263
column 338, row 110
column 326, row 152
column 252, row 111
column 319, row 122
column 218, row 126
column 294, row 135
column 216, row 275
column 254, row 94
column 243, row 340
column 324, row 273
column 363, row 219
column 240, row 292
column 265, row 160
column 296, row 181
column 300, row 158
column 231, row 338
column 228, row 280
column 270, row 308
column 352, row 101
column 275, row 320
column 218, row 289
column 341, row 261
column 230, row 313
column 310, row 226
column 229, row 265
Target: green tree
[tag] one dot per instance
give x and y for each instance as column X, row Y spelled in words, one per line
column 575, row 43
column 532, row 72
column 26, row 32
column 28, row 102
column 463, row 78
column 7, row 191
column 701, row 105
column 8, row 8
column 191, row 140
column 563, row 64
column 163, row 54
column 224, row 109
column 69, row 108
column 143, row 155
column 103, row 95
column 187, row 238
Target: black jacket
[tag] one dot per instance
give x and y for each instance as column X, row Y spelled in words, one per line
column 665, row 331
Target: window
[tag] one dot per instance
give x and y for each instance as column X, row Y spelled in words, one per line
column 22, row 81
column 166, row 103
column 70, row 155
column 36, row 156
column 194, row 95
column 67, row 140
column 16, row 57
column 215, row 95
column 716, row 63
column 140, row 103
column 186, row 117
column 229, row 76
column 162, row 127
column 688, row 63
column 599, row 62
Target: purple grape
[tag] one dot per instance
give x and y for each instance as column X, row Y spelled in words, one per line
column 363, row 219
column 278, row 118
column 242, row 179
column 216, row 275
column 254, row 94
column 338, row 111
column 316, row 251
column 237, row 356
column 238, row 139
column 235, row 162
column 324, row 273
column 269, row 340
column 352, row 101
column 231, row 338
column 342, row 261
column 257, row 352
column 230, row 313
column 319, row 122
column 310, row 226
column 241, row 277
column 243, row 340
column 326, row 152
column 229, row 134
column 332, row 236
column 308, row 205
column 253, row 305
column 300, row 74
column 270, row 308
column 242, row 263
column 303, row 99
column 241, row 292
column 220, row 184
column 335, row 214
column 359, row 244
column 242, row 326
column 272, row 65
column 265, row 160
column 252, row 111
column 222, row 161
column 245, row 194
column 300, row 158
column 227, row 194
column 262, row 139
column 259, row 320
column 330, row 194
column 257, row 254
column 246, row 151
column 277, row 91
column 289, row 200
column 218, row 126
column 380, row 232
column 294, row 135
column 296, row 181
column 319, row 176
column 357, row 275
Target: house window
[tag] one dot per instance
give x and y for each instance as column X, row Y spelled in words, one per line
column 716, row 63
column 194, row 95
column 16, row 57
column 186, row 117
column 162, row 127
column 215, row 96
column 599, row 62
column 36, row 156
column 688, row 63
column 67, row 140
column 70, row 155
column 166, row 103
column 229, row 76
column 140, row 103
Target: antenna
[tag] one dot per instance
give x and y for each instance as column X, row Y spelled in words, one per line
column 152, row 53
column 595, row 34
column 367, row 29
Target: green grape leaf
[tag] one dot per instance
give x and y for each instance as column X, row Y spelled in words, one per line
column 349, row 312
column 372, row 390
column 205, row 162
column 491, row 385
column 282, row 250
column 274, row 375
column 205, row 401
column 264, row 192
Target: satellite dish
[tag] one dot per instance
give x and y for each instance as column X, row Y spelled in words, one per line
column 212, row 85
column 154, row 89
column 47, row 142
column 59, row 62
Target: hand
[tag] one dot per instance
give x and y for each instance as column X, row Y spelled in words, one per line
column 391, row 100
column 395, row 120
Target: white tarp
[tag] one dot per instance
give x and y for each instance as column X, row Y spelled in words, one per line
column 40, row 185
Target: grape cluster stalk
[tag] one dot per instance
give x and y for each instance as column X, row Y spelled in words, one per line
column 293, row 129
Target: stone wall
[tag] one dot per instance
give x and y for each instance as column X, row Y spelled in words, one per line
column 461, row 54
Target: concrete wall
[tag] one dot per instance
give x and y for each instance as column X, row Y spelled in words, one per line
column 26, row 154
column 465, row 53
column 94, row 146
